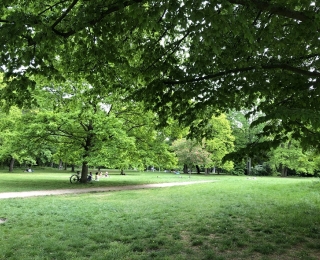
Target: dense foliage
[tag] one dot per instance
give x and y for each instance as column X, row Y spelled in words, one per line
column 186, row 59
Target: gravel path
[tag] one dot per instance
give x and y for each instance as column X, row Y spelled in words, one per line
column 24, row 194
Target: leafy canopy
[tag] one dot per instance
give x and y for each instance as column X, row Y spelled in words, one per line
column 186, row 58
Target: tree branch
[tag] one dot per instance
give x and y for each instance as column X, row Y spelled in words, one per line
column 267, row 6
column 5, row 21
column 313, row 74
column 168, row 52
column 51, row 7
column 85, row 127
column 136, row 126
column 64, row 14
column 111, row 9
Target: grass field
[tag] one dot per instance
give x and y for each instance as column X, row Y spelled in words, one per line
column 45, row 179
column 231, row 218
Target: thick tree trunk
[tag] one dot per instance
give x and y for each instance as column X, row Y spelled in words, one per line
column 284, row 171
column 185, row 168
column 198, row 169
column 11, row 164
column 84, row 172
column 87, row 147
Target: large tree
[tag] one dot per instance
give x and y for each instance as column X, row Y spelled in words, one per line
column 246, row 54
column 91, row 128
column 189, row 58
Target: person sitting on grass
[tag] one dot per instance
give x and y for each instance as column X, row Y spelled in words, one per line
column 89, row 177
column 106, row 174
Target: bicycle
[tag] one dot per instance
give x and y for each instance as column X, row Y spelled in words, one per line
column 74, row 178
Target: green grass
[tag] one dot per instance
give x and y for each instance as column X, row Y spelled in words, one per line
column 232, row 218
column 46, row 179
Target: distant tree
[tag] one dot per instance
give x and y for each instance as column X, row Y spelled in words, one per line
column 13, row 147
column 191, row 153
column 291, row 156
column 219, row 142
column 247, row 140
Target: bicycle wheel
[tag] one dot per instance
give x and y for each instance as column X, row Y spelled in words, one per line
column 74, row 178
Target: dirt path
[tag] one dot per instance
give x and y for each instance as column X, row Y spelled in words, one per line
column 24, row 194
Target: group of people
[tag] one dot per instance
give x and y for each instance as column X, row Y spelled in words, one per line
column 28, row 170
column 97, row 176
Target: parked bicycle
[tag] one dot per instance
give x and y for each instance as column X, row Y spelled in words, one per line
column 75, row 177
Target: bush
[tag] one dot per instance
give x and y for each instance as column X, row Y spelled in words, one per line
column 238, row 170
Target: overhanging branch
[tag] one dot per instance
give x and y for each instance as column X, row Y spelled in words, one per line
column 63, row 15
column 111, row 9
column 312, row 74
column 50, row 7
column 275, row 9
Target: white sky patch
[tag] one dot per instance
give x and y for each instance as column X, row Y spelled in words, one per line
column 105, row 107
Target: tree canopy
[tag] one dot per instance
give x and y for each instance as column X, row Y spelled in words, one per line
column 187, row 59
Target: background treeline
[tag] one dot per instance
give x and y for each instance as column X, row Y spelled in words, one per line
column 72, row 130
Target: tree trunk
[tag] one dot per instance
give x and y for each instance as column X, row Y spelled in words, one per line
column 38, row 162
column 87, row 146
column 284, row 171
column 84, row 172
column 11, row 164
column 72, row 168
column 198, row 169
column 249, row 166
column 60, row 165
column 185, row 168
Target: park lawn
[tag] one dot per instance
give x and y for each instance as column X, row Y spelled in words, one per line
column 232, row 218
column 50, row 179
